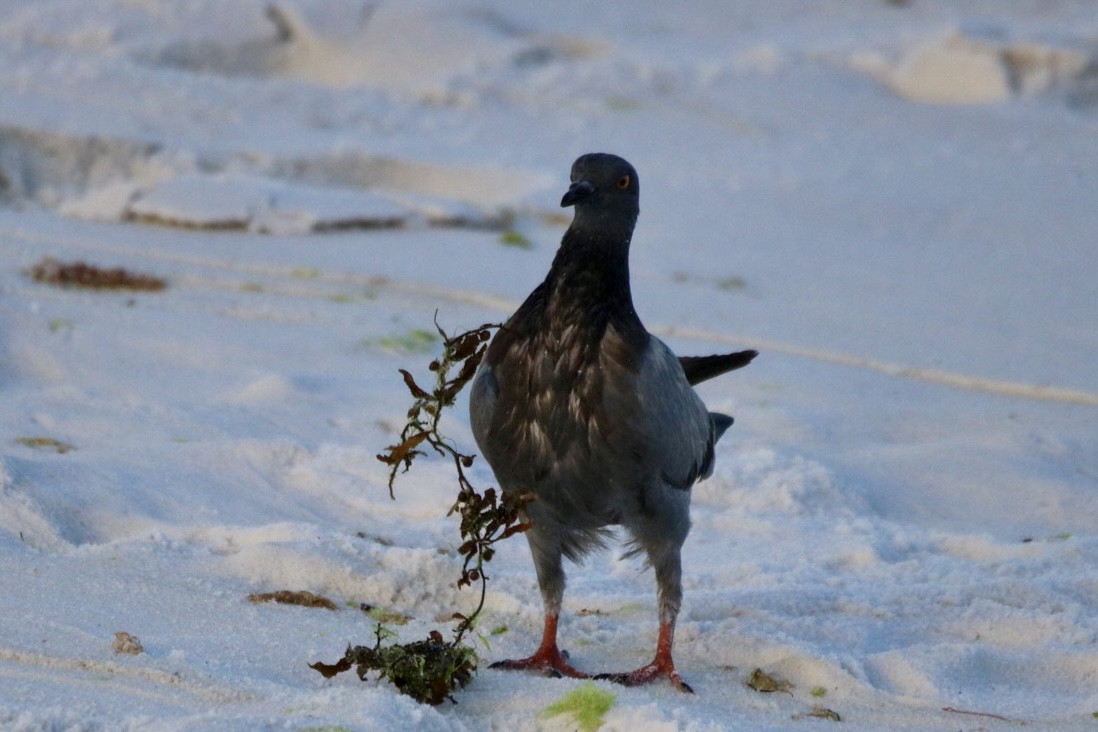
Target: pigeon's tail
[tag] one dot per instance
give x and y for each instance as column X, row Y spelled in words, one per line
column 702, row 368
column 721, row 422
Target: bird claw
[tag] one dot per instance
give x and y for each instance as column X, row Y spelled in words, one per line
column 554, row 666
column 646, row 675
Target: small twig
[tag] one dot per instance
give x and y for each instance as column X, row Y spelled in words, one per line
column 989, row 715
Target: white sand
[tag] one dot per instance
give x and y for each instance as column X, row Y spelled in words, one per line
column 894, row 202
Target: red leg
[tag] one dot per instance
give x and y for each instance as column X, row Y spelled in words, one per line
column 547, row 658
column 661, row 667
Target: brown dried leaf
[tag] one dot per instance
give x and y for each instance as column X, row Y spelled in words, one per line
column 328, row 670
column 765, row 683
column 293, row 597
column 51, row 271
column 824, row 713
column 469, row 368
column 413, row 387
column 396, row 453
column 45, row 443
column 126, row 643
column 463, row 346
column 515, row 529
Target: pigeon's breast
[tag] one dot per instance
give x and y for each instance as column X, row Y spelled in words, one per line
column 563, row 384
column 557, row 436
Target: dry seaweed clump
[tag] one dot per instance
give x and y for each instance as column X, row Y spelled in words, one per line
column 52, row 271
column 293, row 597
column 427, row 670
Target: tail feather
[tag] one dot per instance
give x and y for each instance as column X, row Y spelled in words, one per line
column 703, row 368
column 721, row 422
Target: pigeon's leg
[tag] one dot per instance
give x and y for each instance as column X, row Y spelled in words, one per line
column 662, row 666
column 548, row 658
column 666, row 561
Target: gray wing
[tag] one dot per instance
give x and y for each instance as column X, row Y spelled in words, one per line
column 482, row 405
column 662, row 421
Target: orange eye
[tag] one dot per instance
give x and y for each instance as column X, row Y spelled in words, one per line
column 623, row 183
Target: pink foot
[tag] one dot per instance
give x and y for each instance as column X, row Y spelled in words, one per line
column 547, row 658
column 661, row 667
column 646, row 675
column 550, row 662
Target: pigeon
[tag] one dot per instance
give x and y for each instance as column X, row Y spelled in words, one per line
column 579, row 405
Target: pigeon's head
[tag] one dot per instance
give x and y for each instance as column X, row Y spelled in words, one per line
column 605, row 192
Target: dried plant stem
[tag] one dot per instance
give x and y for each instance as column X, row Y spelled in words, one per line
column 428, row 670
column 485, row 517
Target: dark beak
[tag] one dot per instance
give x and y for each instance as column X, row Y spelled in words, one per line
column 578, row 191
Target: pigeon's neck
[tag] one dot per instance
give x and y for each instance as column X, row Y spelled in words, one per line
column 588, row 287
column 585, row 294
column 593, row 268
